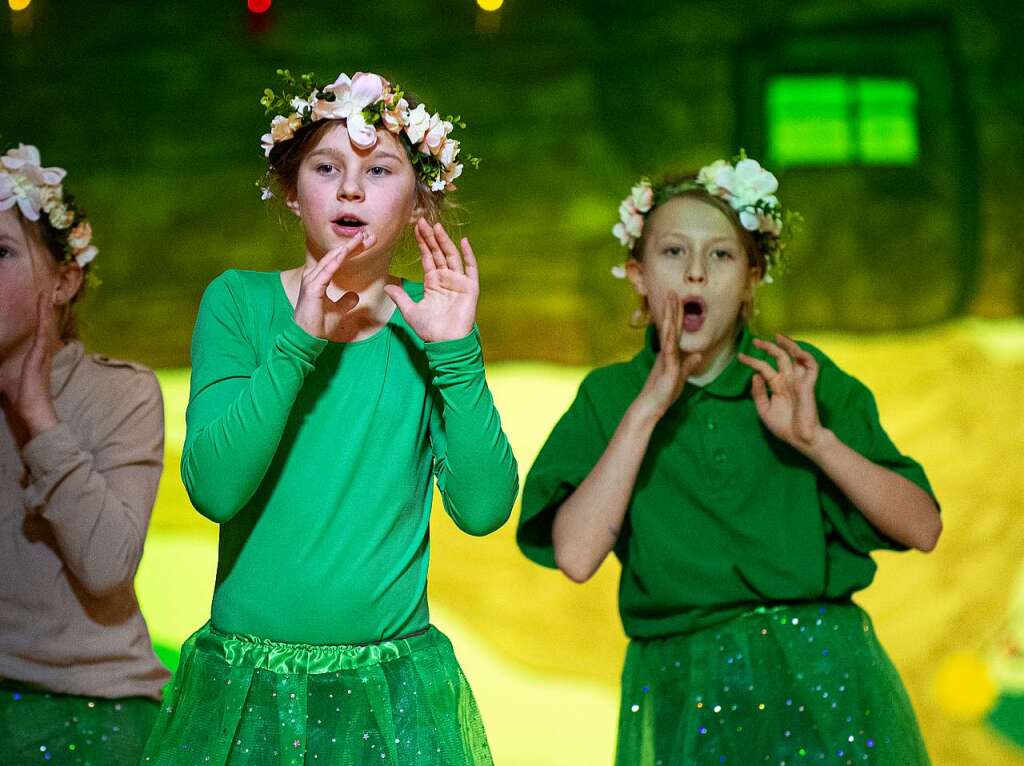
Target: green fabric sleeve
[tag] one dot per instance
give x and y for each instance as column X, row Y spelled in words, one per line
column 237, row 408
column 567, row 457
column 848, row 408
column 476, row 471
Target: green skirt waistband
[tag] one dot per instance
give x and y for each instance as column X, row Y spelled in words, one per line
column 245, row 651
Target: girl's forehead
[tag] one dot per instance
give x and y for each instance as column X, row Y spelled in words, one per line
column 11, row 227
column 335, row 140
column 691, row 217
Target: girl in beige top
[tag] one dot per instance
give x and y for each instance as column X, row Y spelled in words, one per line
column 81, row 448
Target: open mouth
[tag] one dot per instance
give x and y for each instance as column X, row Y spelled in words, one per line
column 349, row 224
column 695, row 311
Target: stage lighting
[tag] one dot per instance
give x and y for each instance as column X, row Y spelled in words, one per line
column 18, row 5
column 259, row 6
column 490, row 5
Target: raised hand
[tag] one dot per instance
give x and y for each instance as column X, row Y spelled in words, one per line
column 451, row 287
column 315, row 279
column 668, row 375
column 28, row 400
column 790, row 411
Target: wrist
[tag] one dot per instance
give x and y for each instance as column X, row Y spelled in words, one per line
column 642, row 415
column 817, row 448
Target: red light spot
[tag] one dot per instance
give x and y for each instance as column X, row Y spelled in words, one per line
column 259, row 6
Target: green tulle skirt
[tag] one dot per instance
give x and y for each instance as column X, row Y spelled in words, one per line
column 788, row 685
column 248, row 701
column 65, row 730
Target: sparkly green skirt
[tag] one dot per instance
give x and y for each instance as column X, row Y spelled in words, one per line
column 62, row 729
column 248, row 701
column 789, row 685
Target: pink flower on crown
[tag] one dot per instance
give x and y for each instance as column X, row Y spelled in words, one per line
column 396, row 116
column 435, row 135
column 80, row 236
column 449, row 151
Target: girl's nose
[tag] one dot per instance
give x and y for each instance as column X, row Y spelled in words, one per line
column 350, row 188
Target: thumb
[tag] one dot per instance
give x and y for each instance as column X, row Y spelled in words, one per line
column 401, row 298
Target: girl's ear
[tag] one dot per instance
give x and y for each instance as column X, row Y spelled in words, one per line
column 292, row 203
column 68, row 283
column 635, row 274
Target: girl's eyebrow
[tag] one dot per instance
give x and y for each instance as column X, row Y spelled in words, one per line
column 683, row 235
column 380, row 154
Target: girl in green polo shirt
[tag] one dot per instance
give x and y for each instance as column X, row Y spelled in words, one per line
column 324, row 402
column 743, row 485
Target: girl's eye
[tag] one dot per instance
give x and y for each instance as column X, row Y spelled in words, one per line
column 673, row 250
column 4, row 252
column 722, row 254
column 378, row 170
column 324, row 169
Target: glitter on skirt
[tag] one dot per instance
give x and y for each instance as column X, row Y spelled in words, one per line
column 248, row 701
column 38, row 727
column 784, row 685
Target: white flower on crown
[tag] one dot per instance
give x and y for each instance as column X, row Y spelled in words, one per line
column 449, row 151
column 418, row 124
column 26, row 161
column 745, row 184
column 451, row 173
column 37, row 190
column 351, row 97
column 86, row 255
column 25, row 183
column 708, row 173
column 301, row 105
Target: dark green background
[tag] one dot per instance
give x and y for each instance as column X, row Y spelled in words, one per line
column 153, row 107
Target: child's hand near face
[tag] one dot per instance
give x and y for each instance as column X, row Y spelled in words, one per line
column 790, row 411
column 315, row 279
column 451, row 287
column 28, row 400
column 671, row 369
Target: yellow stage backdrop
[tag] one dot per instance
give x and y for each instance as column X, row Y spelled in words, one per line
column 544, row 654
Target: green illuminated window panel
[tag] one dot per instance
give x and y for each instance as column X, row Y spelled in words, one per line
column 837, row 120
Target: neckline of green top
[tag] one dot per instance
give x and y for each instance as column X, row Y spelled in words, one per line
column 385, row 329
column 734, row 380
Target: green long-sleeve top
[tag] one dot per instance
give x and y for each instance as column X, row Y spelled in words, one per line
column 724, row 517
column 316, row 459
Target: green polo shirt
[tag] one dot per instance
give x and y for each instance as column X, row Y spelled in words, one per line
column 724, row 516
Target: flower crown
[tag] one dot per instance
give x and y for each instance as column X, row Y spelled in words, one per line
column 743, row 183
column 37, row 190
column 365, row 102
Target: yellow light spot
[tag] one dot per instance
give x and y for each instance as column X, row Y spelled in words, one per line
column 490, row 5
column 964, row 687
column 18, row 5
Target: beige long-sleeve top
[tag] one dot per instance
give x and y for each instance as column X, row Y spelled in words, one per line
column 75, row 503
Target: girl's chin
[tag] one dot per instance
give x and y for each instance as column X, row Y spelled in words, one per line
column 691, row 343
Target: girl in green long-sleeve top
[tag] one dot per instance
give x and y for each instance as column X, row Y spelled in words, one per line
column 742, row 484
column 324, row 399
